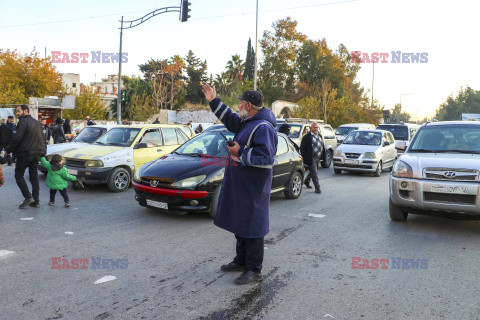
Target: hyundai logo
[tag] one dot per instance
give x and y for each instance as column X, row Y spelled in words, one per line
column 449, row 174
column 154, row 183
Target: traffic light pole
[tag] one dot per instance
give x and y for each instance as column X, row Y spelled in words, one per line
column 183, row 9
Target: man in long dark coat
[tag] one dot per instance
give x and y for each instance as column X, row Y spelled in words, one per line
column 243, row 205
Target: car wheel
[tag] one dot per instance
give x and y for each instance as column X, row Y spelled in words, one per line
column 397, row 213
column 214, row 203
column 378, row 172
column 337, row 171
column 119, row 180
column 328, row 159
column 294, row 188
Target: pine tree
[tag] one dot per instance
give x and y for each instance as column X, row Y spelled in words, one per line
column 196, row 70
column 249, row 62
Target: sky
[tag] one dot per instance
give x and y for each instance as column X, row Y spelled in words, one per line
column 445, row 30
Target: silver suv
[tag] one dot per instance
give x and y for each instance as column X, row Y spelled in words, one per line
column 439, row 172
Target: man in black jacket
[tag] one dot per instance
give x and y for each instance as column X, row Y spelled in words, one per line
column 58, row 134
column 28, row 145
column 12, row 127
column 47, row 132
column 5, row 138
column 311, row 149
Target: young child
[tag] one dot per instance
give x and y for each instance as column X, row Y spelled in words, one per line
column 57, row 178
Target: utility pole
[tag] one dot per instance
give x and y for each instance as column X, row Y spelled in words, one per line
column 373, row 78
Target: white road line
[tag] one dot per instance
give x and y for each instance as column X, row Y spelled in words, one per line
column 328, row 315
column 105, row 279
column 4, row 253
column 316, row 215
column 24, row 219
column 68, row 232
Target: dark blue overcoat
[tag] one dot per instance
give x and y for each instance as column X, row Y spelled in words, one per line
column 244, row 200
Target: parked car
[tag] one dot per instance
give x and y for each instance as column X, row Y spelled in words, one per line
column 402, row 132
column 367, row 151
column 300, row 127
column 114, row 157
column 189, row 179
column 86, row 137
column 439, row 172
column 345, row 129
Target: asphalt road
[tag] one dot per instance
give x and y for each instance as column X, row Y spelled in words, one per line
column 172, row 262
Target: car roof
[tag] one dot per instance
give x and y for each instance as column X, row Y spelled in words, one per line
column 400, row 124
column 446, row 123
column 356, row 125
column 372, row 130
column 156, row 125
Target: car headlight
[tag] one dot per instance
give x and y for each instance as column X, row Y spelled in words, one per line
column 189, row 182
column 338, row 153
column 402, row 170
column 94, row 163
column 369, row 155
column 136, row 176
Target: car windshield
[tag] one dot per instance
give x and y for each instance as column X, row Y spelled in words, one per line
column 400, row 132
column 364, row 138
column 344, row 131
column 447, row 139
column 89, row 134
column 211, row 143
column 118, row 137
column 294, row 130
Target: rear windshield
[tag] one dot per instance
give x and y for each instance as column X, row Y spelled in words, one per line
column 294, row 130
column 399, row 132
column 344, row 131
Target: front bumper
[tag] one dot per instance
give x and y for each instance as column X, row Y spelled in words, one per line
column 435, row 196
column 366, row 165
column 90, row 175
column 181, row 201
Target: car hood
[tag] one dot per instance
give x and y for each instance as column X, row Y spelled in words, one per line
column 420, row 161
column 357, row 148
column 179, row 167
column 92, row 152
column 64, row 147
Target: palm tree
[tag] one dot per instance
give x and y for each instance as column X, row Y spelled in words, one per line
column 234, row 69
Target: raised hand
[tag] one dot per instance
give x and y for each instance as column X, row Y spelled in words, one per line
column 209, row 92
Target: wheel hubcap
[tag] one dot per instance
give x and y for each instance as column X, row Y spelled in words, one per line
column 297, row 185
column 121, row 180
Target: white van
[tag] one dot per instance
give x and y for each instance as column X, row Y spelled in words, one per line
column 345, row 129
column 402, row 132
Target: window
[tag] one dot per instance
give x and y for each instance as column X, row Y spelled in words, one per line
column 182, row 137
column 151, row 138
column 390, row 138
column 328, row 133
column 170, row 136
column 282, row 146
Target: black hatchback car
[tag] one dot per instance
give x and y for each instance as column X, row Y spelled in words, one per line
column 190, row 178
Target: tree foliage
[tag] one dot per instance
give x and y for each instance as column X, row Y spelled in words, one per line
column 196, row 71
column 398, row 115
column 87, row 103
column 466, row 101
column 28, row 75
column 249, row 70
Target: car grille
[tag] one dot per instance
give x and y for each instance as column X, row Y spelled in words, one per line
column 76, row 163
column 160, row 181
column 352, row 155
column 354, row 166
column 450, row 198
column 451, row 174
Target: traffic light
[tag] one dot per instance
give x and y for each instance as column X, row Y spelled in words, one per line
column 124, row 98
column 185, row 10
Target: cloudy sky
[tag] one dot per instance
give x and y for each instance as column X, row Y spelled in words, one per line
column 444, row 30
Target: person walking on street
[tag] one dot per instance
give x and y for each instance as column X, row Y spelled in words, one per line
column 199, row 129
column 244, row 199
column 311, row 148
column 46, row 130
column 13, row 130
column 28, row 145
column 58, row 133
column 156, row 121
column 90, row 122
column 67, row 128
column 57, row 178
column 5, row 139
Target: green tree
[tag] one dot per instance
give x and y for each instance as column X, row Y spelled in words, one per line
column 196, row 70
column 398, row 115
column 466, row 101
column 234, row 69
column 87, row 103
column 249, row 70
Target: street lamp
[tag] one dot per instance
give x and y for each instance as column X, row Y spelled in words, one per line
column 404, row 94
column 183, row 9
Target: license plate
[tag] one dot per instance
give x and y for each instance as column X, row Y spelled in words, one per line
column 449, row 189
column 157, row 204
column 351, row 161
column 72, row 171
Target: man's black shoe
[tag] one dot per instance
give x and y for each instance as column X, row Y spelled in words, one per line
column 248, row 276
column 26, row 202
column 232, row 266
column 308, row 185
column 318, row 191
column 35, row 204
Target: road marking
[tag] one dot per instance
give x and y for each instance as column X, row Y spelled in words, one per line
column 68, row 232
column 105, row 279
column 316, row 215
column 4, row 253
column 24, row 219
column 328, row 315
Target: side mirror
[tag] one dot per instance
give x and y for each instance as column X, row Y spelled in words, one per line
column 386, row 143
column 141, row 145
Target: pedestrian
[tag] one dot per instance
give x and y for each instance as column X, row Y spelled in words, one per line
column 58, row 133
column 2, row 179
column 311, row 148
column 157, row 121
column 57, row 178
column 126, row 122
column 13, row 130
column 90, row 122
column 5, row 139
column 28, row 145
column 47, row 132
column 243, row 204
column 285, row 129
column 67, row 128
column 199, row 129
column 189, row 124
